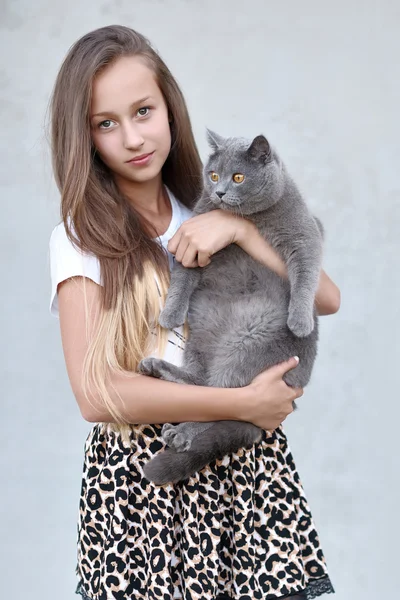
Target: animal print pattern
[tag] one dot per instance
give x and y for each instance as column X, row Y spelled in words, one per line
column 241, row 527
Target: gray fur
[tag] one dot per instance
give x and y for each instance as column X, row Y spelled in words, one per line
column 243, row 317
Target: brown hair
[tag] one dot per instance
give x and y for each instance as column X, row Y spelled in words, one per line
column 97, row 217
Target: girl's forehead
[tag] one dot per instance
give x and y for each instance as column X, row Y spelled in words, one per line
column 127, row 79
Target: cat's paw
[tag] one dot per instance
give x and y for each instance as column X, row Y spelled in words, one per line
column 167, row 427
column 181, row 443
column 168, row 432
column 171, row 318
column 146, row 366
column 300, row 324
column 175, row 438
column 151, row 366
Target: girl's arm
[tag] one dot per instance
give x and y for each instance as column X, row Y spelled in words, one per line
column 266, row 402
column 327, row 298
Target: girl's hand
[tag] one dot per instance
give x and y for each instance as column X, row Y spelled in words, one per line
column 269, row 400
column 198, row 238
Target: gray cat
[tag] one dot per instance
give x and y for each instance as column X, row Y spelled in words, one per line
column 243, row 317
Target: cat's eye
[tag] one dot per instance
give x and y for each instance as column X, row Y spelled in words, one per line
column 214, row 176
column 238, row 178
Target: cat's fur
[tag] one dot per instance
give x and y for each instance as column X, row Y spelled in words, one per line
column 243, row 317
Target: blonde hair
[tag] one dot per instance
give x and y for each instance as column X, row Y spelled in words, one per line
column 98, row 219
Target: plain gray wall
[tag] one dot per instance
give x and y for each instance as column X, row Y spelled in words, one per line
column 322, row 81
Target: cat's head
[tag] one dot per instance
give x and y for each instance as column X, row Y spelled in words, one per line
column 242, row 176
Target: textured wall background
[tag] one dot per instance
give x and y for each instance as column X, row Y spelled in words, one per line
column 322, row 81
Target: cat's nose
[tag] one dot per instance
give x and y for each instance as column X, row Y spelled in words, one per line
column 220, row 194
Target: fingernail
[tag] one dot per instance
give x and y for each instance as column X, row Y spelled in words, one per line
column 296, row 358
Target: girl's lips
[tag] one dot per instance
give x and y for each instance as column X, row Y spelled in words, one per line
column 141, row 160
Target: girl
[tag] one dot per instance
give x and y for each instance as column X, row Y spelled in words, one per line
column 128, row 170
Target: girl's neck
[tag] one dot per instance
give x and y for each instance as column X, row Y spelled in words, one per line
column 146, row 197
column 150, row 200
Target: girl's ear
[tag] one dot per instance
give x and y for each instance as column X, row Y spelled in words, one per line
column 216, row 141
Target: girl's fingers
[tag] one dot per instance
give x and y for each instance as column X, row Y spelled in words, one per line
column 190, row 256
column 181, row 250
column 203, row 259
column 286, row 366
column 297, row 392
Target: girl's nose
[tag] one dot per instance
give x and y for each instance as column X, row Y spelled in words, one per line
column 132, row 138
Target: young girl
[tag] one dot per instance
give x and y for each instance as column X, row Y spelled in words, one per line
column 128, row 170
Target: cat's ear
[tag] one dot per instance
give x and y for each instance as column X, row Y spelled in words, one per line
column 259, row 149
column 216, row 141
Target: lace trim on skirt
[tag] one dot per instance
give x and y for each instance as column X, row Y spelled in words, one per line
column 317, row 587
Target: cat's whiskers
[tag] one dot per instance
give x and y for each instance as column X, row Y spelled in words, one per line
column 236, row 209
column 241, row 211
column 209, row 203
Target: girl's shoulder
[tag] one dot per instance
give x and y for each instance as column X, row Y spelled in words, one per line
column 67, row 261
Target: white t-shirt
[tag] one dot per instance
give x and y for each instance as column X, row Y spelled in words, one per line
column 67, row 261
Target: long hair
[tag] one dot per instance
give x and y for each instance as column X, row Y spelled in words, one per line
column 97, row 217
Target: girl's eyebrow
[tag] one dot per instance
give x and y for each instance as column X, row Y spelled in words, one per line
column 111, row 113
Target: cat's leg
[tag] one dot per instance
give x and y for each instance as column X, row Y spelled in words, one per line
column 180, row 437
column 162, row 369
column 303, row 267
column 224, row 437
column 183, row 283
column 192, row 372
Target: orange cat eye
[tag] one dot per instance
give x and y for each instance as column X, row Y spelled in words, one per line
column 214, row 176
column 238, row 178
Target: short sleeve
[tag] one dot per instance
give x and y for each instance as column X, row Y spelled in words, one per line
column 67, row 261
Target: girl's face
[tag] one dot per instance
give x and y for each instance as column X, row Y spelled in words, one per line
column 129, row 121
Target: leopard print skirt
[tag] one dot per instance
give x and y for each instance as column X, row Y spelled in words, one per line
column 241, row 527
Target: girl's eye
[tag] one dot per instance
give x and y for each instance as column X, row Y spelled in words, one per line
column 214, row 176
column 144, row 114
column 105, row 124
column 238, row 178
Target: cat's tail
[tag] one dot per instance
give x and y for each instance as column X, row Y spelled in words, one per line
column 224, row 437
